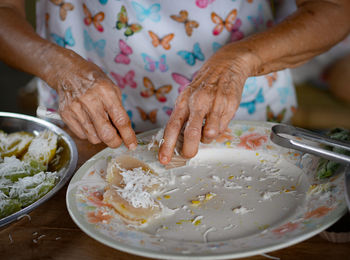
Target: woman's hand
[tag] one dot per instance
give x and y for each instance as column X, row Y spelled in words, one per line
column 89, row 103
column 214, row 96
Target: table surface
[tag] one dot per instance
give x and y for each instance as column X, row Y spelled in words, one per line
column 50, row 233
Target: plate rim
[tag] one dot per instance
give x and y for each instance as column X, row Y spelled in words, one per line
column 342, row 208
column 65, row 178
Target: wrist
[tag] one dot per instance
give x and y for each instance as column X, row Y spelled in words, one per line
column 246, row 57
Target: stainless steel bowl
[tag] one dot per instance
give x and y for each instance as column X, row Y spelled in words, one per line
column 11, row 122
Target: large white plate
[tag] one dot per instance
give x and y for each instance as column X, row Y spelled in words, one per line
column 278, row 188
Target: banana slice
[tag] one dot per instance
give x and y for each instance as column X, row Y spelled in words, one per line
column 14, row 144
column 43, row 148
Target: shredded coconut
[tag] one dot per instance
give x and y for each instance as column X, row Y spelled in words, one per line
column 24, row 215
column 242, row 210
column 11, row 239
column 267, row 195
column 136, row 181
column 205, row 235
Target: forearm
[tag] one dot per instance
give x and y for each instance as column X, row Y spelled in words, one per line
column 313, row 29
column 22, row 48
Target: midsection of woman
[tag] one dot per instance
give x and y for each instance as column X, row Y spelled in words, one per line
column 152, row 50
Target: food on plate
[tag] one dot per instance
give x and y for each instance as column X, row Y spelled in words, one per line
column 28, row 165
column 131, row 188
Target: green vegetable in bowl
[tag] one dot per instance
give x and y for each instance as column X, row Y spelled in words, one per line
column 26, row 163
column 327, row 168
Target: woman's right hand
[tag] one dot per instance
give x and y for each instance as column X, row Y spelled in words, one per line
column 89, row 103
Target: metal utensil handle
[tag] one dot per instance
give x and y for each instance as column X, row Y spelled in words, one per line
column 308, row 135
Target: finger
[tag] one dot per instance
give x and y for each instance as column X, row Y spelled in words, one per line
column 85, row 123
column 121, row 120
column 173, row 128
column 211, row 127
column 192, row 133
column 105, row 130
column 72, row 124
column 232, row 89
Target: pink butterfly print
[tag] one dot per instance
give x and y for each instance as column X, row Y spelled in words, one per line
column 182, row 80
column 151, row 64
column 203, row 3
column 128, row 79
column 167, row 110
column 236, row 34
column 125, row 51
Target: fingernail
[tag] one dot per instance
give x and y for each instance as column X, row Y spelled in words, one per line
column 163, row 159
column 132, row 147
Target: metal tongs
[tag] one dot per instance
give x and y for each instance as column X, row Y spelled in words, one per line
column 281, row 135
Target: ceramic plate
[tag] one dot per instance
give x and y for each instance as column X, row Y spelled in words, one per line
column 240, row 196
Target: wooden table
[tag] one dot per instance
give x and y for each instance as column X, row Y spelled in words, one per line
column 52, row 234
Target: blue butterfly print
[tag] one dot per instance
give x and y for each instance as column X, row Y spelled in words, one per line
column 251, row 105
column 190, row 57
column 250, row 87
column 283, row 93
column 129, row 112
column 151, row 64
column 143, row 13
column 259, row 19
column 66, row 40
column 216, row 46
column 103, row 2
column 98, row 46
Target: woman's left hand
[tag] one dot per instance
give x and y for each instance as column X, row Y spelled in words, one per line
column 214, row 96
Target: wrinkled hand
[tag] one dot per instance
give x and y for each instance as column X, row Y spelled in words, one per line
column 90, row 104
column 214, row 96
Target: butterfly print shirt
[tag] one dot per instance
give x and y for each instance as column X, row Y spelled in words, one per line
column 152, row 49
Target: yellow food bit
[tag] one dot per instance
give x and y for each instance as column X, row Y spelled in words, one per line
column 197, row 222
column 209, row 196
column 195, row 202
column 292, row 187
column 262, row 161
column 231, row 177
column 249, row 187
column 122, row 206
column 263, row 227
column 286, row 190
column 143, row 221
column 257, row 154
column 167, row 196
column 159, row 198
column 181, row 221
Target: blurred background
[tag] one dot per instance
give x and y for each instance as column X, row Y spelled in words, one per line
column 322, row 85
column 15, row 97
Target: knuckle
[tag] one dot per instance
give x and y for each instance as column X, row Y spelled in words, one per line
column 174, row 124
column 211, row 132
column 121, row 120
column 192, row 131
column 107, row 134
